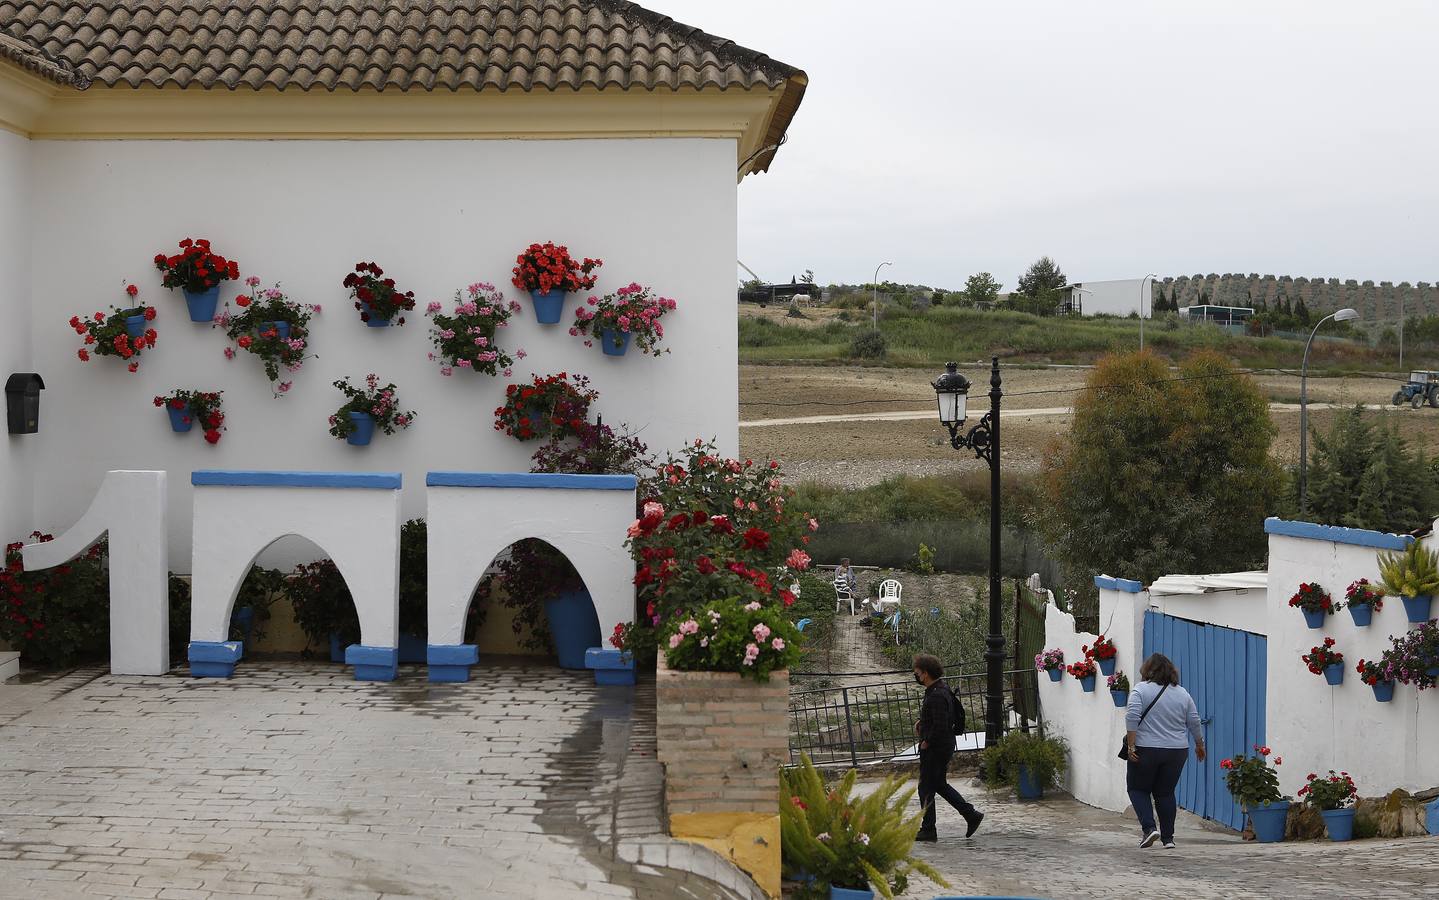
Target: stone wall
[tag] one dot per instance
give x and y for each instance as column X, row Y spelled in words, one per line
column 1380, row 302
column 722, row 740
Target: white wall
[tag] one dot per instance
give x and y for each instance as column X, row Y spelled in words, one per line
column 1117, row 298
column 15, row 214
column 1316, row 727
column 436, row 216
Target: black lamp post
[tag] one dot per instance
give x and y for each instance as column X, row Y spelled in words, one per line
column 952, row 390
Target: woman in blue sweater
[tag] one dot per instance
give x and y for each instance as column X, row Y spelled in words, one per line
column 1158, row 742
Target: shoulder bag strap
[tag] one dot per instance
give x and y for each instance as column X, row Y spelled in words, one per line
column 1150, row 706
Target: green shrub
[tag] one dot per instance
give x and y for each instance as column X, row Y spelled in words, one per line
column 926, row 559
column 868, row 345
column 725, row 636
column 1046, row 758
column 58, row 616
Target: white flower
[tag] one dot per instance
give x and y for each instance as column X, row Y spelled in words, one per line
column 863, row 839
column 822, row 836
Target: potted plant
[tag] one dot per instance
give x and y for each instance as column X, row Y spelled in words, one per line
column 376, row 297
column 272, row 327
column 1379, row 676
column 1315, row 603
column 1028, row 762
column 367, row 408
column 1362, row 601
column 1414, row 656
column 1102, row 652
column 549, row 274
column 727, row 636
column 113, row 334
column 555, row 406
column 1085, row 671
column 186, row 407
column 1333, row 795
column 1255, row 787
column 197, row 271
column 1412, row 576
column 630, row 312
column 1119, row 689
column 467, row 338
column 1325, row 660
column 552, row 608
column 1051, row 661
column 846, row 846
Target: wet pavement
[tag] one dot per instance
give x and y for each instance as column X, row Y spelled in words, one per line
column 292, row 780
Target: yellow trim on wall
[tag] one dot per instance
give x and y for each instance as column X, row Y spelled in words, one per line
column 23, row 99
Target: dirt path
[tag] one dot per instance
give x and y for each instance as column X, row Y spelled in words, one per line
column 916, row 415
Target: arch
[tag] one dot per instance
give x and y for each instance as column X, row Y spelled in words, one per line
column 474, row 516
column 355, row 517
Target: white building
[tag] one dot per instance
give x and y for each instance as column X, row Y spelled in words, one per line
column 436, row 141
column 1113, row 298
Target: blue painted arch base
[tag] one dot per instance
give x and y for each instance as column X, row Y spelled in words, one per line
column 451, row 662
column 373, row 663
column 214, row 659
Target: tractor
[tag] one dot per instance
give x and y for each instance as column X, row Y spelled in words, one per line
column 1422, row 387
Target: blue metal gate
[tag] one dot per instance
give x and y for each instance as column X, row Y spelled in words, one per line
column 1225, row 671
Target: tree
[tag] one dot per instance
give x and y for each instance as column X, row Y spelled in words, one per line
column 807, row 277
column 1363, row 476
column 1043, row 277
column 1159, row 475
column 981, row 288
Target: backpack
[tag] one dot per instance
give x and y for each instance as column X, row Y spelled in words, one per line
column 956, row 713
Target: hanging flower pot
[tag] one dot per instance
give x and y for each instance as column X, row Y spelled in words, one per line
column 122, row 333
column 1087, row 683
column 1417, row 608
column 1383, row 691
column 1106, row 666
column 376, row 297
column 1269, row 820
column 468, row 338
column 1362, row 615
column 186, row 407
column 1334, row 674
column 362, row 429
column 1325, row 660
column 1314, row 602
column 1362, row 600
column 1055, row 674
column 1086, row 671
column 281, row 329
column 370, row 317
column 1314, row 618
column 549, row 274
column 271, row 326
column 614, row 343
column 135, row 325
column 1120, row 698
column 630, row 312
column 1051, row 661
column 180, row 418
column 549, row 406
column 198, row 273
column 1118, row 684
column 367, row 408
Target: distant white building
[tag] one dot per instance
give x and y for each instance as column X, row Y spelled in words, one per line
column 1114, row 298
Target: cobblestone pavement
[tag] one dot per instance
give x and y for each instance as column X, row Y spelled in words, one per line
column 290, row 780
column 1058, row 848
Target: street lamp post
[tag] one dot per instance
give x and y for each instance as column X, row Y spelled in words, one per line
column 952, row 391
column 1148, row 277
column 875, row 285
column 1343, row 315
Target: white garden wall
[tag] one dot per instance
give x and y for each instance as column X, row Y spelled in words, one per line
column 15, row 214
column 436, row 215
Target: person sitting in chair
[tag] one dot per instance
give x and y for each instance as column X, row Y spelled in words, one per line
column 843, row 574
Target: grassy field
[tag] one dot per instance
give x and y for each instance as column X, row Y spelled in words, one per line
column 932, row 337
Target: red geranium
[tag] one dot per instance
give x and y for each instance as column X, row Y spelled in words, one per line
column 195, row 268
column 376, row 295
column 200, row 406
column 546, row 267
column 1103, row 649
column 551, row 405
column 109, row 335
column 1319, row 658
column 1312, row 598
column 1085, row 668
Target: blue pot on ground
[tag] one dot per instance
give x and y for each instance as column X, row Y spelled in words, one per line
column 1383, row 691
column 135, row 326
column 1121, row 698
column 575, row 626
column 364, row 429
column 337, row 648
column 373, row 319
column 1027, row 786
column 548, row 307
column 1417, row 608
column 1315, row 617
column 202, row 303
column 1088, row 683
column 1055, row 674
column 1269, row 821
column 413, row 649
column 180, row 419
column 615, row 343
column 1362, row 614
column 839, row 893
column 1106, row 666
column 1334, row 674
column 1339, row 823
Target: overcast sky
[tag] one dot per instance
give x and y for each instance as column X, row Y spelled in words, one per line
column 1285, row 137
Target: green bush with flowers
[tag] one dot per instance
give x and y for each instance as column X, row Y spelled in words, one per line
column 56, row 616
column 831, row 837
column 727, row 636
column 1251, row 781
column 1333, row 791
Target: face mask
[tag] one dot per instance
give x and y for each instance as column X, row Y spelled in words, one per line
column 918, row 680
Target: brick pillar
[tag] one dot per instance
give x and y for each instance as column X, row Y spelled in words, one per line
column 722, row 739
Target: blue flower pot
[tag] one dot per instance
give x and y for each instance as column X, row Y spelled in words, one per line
column 364, row 429
column 1339, row 823
column 614, row 343
column 1269, row 821
column 1334, row 674
column 373, row 320
column 1432, row 671
column 1314, row 617
column 1417, row 608
column 202, row 304
column 243, row 621
column 1106, row 666
column 1055, row 674
column 549, row 307
column 135, row 326
column 536, row 418
column 839, row 893
column 180, row 419
column 575, row 626
column 1027, row 786
column 337, row 648
column 1088, row 684
column 281, row 328
column 1383, row 691
column 1120, row 698
column 1362, row 614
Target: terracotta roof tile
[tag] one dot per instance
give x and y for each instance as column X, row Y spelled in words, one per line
column 401, row 45
column 32, row 59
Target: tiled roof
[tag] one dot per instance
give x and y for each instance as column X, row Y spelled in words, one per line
column 31, row 59
column 398, row 45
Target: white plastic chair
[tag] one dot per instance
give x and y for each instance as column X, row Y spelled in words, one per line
column 842, row 593
column 889, row 595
